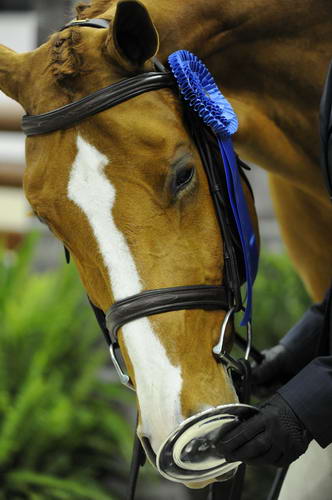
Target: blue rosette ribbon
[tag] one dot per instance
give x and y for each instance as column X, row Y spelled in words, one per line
column 199, row 89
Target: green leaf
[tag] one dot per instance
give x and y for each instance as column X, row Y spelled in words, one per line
column 56, row 485
column 53, row 401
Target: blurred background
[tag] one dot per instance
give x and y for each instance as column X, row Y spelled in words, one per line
column 66, row 425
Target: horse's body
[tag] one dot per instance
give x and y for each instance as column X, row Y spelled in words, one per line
column 270, row 59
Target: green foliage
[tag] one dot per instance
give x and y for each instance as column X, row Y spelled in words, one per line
column 279, row 299
column 61, row 432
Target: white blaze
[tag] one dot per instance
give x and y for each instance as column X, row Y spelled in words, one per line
column 158, row 382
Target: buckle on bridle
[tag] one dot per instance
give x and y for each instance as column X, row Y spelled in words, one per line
column 231, row 364
column 124, row 379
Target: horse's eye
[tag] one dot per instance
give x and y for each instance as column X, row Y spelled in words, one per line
column 183, row 177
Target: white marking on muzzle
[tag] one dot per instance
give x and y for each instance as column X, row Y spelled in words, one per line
column 158, row 382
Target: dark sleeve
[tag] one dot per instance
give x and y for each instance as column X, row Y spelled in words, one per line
column 302, row 340
column 309, row 394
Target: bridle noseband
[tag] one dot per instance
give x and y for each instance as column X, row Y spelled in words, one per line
column 153, row 302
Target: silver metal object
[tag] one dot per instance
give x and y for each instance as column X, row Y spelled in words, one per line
column 124, row 379
column 190, row 453
column 221, row 354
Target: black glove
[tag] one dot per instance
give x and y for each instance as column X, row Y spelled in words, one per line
column 274, row 371
column 275, row 436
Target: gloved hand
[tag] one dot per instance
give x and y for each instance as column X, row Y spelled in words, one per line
column 273, row 372
column 275, row 436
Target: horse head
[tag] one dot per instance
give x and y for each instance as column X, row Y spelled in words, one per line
column 126, row 193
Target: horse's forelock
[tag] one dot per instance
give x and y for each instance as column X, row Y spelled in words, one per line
column 66, row 59
column 65, row 55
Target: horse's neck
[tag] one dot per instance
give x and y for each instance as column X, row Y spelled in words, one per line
column 270, row 58
column 211, row 27
column 194, row 25
column 250, row 44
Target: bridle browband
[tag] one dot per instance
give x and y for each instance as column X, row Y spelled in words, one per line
column 71, row 114
column 106, row 98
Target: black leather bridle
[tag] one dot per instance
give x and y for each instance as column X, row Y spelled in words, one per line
column 150, row 302
column 226, row 297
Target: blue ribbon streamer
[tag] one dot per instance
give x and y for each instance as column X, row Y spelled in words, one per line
column 200, row 90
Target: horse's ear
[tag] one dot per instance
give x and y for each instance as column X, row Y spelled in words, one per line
column 10, row 71
column 133, row 35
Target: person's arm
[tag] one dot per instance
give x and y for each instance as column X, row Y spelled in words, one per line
column 302, row 340
column 309, row 394
column 299, row 412
column 296, row 349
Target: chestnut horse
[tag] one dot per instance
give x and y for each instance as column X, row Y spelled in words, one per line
column 112, row 187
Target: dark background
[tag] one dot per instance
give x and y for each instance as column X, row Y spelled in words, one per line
column 16, row 4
